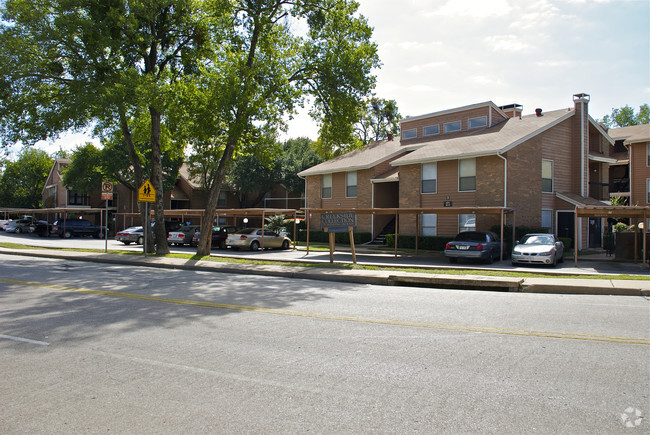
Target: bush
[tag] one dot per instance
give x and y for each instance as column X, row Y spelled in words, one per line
column 568, row 242
column 520, row 232
column 407, row 241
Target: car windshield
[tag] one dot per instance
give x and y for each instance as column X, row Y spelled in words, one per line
column 470, row 236
column 538, row 240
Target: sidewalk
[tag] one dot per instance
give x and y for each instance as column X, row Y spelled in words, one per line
column 560, row 285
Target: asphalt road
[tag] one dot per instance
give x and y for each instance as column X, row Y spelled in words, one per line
column 89, row 348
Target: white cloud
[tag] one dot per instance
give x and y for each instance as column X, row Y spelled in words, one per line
column 473, row 8
column 507, row 43
column 426, row 67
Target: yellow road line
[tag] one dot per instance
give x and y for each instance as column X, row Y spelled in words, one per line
column 463, row 328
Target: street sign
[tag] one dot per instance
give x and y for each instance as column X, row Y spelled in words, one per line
column 146, row 192
column 107, row 187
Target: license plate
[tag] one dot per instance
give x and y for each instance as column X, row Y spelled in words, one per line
column 463, row 247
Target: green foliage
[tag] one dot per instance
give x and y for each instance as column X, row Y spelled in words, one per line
column 568, row 242
column 622, row 226
column 84, row 173
column 428, row 243
column 297, row 155
column 379, row 118
column 625, row 116
column 276, row 223
column 22, row 181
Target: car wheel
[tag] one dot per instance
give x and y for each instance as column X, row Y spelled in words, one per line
column 255, row 245
column 285, row 244
column 140, row 240
column 67, row 234
column 490, row 258
column 18, row 230
column 126, row 243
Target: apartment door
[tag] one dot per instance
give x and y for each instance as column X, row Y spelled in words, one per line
column 566, row 225
column 595, row 233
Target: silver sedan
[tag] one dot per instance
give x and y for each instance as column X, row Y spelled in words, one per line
column 538, row 249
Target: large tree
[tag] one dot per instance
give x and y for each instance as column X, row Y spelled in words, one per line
column 111, row 64
column 22, row 181
column 272, row 56
column 625, row 116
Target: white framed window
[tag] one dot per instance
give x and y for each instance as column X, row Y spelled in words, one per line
column 466, row 222
column 429, row 177
column 547, row 220
column 547, row 176
column 452, row 126
column 647, row 190
column 480, row 121
column 467, row 175
column 326, row 186
column 351, row 184
column 429, row 225
column 410, row 133
column 221, row 200
column 430, row 130
column 647, row 153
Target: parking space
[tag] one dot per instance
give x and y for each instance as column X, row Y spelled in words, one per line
column 364, row 256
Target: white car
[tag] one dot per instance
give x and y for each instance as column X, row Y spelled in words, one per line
column 251, row 238
column 538, row 249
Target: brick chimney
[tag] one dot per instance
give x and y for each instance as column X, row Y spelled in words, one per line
column 512, row 110
column 581, row 103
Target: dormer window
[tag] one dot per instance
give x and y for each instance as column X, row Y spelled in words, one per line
column 431, row 130
column 477, row 122
column 410, row 134
column 452, row 126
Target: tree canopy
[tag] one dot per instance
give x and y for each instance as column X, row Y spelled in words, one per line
column 625, row 116
column 216, row 74
column 22, row 181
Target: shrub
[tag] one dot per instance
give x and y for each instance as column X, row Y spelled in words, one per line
column 407, row 241
column 340, row 238
column 520, row 232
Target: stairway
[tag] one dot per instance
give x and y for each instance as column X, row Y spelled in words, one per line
column 389, row 228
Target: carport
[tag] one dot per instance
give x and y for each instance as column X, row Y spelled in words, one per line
column 501, row 211
column 631, row 212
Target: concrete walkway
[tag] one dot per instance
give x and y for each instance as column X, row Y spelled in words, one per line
column 608, row 285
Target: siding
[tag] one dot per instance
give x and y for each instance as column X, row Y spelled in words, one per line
column 639, row 173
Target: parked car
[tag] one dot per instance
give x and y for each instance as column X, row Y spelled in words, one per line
column 219, row 236
column 18, row 226
column 42, row 228
column 66, row 228
column 3, row 222
column 478, row 245
column 538, row 249
column 251, row 238
column 182, row 236
column 130, row 235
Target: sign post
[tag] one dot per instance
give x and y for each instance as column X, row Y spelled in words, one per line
column 333, row 223
column 107, row 194
column 146, row 194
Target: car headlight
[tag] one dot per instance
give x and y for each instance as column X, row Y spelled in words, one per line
column 547, row 253
column 515, row 252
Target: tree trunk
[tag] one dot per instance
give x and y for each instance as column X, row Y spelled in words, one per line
column 157, row 181
column 213, row 196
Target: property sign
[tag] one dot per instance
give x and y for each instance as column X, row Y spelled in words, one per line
column 337, row 222
column 146, row 192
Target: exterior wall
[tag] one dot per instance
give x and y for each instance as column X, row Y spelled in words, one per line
column 525, row 182
column 639, row 173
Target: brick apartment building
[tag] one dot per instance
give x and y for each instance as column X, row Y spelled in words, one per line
column 542, row 165
column 630, row 176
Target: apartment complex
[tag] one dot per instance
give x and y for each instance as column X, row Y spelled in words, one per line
column 542, row 165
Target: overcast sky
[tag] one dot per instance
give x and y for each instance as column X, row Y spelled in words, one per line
column 441, row 54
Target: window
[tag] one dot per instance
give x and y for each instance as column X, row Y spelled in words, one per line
column 429, row 177
column 431, row 130
column 429, row 224
column 467, row 175
column 647, row 152
column 76, row 198
column 480, row 121
column 326, row 189
column 350, row 184
column 466, row 222
column 410, row 134
column 547, row 220
column 221, row 201
column 452, row 126
column 647, row 189
column 547, row 176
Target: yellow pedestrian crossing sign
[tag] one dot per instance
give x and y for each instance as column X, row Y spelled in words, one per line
column 146, row 192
